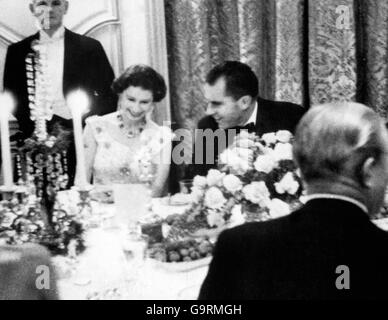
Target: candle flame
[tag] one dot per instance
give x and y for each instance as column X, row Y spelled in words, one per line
column 78, row 102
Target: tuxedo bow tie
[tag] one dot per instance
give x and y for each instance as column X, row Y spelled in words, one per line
column 249, row 126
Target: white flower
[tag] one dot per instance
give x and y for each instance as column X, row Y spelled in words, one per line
column 283, row 136
column 215, row 219
column 244, row 134
column 196, row 194
column 199, row 182
column 243, row 140
column 287, row 185
column 244, row 153
column 8, row 219
column 278, row 208
column 214, row 198
column 237, row 218
column 232, row 160
column 49, row 143
column 229, row 157
column 257, row 193
column 214, row 177
column 165, row 230
column 232, row 183
column 265, row 163
column 269, row 138
column 283, row 151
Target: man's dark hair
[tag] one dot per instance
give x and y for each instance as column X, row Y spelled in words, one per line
column 240, row 80
column 141, row 76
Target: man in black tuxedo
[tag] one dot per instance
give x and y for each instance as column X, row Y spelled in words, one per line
column 231, row 91
column 74, row 62
column 329, row 248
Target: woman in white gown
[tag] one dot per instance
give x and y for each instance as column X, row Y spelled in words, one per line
column 126, row 146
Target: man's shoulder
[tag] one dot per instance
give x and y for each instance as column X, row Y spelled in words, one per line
column 281, row 105
column 256, row 232
column 84, row 40
column 26, row 42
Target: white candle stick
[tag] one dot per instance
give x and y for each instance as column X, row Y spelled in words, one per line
column 6, row 106
column 78, row 103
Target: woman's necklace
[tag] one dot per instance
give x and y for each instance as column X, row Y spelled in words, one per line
column 131, row 132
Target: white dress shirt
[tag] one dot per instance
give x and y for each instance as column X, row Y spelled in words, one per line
column 55, row 48
column 253, row 116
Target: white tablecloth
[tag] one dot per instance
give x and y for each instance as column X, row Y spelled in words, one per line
column 103, row 268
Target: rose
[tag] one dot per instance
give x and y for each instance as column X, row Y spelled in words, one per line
column 232, row 183
column 215, row 219
column 232, row 160
column 257, row 193
column 265, row 163
column 8, row 219
column 243, row 140
column 283, row 151
column 237, row 218
column 244, row 134
column 49, row 143
column 269, row 138
column 278, row 208
column 287, row 185
column 165, row 230
column 245, row 154
column 283, row 136
column 196, row 194
column 199, row 182
column 214, row 198
column 229, row 157
column 214, row 177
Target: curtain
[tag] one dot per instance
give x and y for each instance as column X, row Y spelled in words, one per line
column 303, row 51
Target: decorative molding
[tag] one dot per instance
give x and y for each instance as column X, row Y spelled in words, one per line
column 109, row 15
column 9, row 35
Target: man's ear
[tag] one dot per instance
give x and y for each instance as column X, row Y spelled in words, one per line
column 366, row 174
column 66, row 6
column 244, row 102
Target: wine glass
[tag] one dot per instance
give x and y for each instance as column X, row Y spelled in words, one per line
column 134, row 245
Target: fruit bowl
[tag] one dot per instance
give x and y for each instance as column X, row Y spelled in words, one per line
column 175, row 267
column 182, row 255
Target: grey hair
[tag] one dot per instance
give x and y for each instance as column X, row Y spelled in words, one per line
column 336, row 138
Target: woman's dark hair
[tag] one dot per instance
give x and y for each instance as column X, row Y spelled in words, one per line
column 143, row 76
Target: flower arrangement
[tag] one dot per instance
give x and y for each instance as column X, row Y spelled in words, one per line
column 23, row 222
column 258, row 181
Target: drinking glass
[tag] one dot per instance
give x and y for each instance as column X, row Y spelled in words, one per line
column 185, row 186
column 134, row 245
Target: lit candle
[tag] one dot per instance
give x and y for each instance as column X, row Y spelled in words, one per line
column 6, row 107
column 78, row 103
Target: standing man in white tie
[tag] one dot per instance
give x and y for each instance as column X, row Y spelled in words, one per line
column 73, row 62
